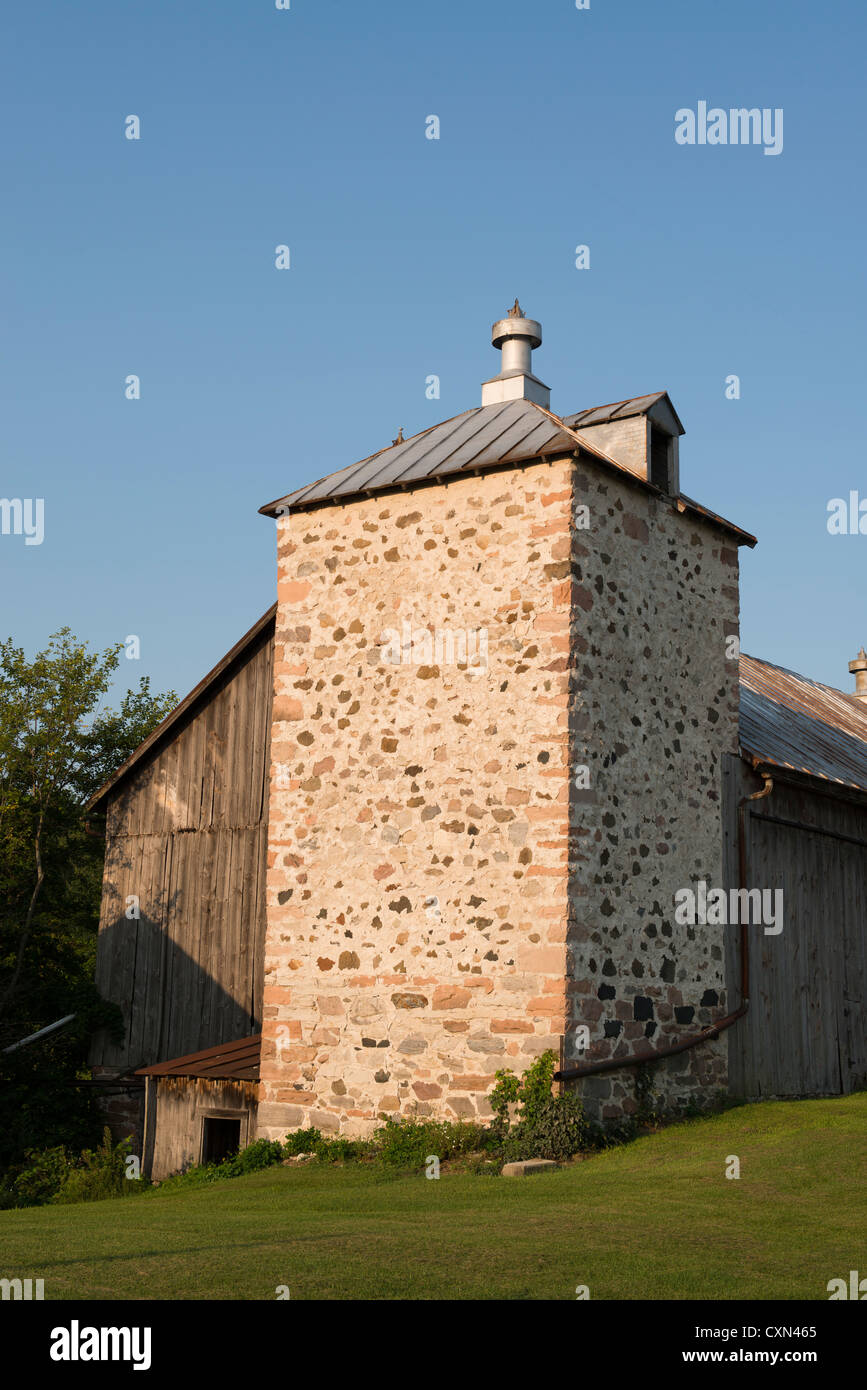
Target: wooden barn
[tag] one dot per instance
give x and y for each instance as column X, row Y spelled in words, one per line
column 182, row 925
column 804, row 760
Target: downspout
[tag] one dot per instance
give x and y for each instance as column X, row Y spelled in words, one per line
column 144, row 1137
column 707, row 1034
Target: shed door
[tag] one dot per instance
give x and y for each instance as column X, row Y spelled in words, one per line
column 805, row 1032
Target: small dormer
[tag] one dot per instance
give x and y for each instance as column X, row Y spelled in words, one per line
column 641, row 434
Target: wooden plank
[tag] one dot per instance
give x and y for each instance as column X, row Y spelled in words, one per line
column 189, row 836
column 805, row 1031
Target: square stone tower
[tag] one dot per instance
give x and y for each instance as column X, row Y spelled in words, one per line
column 504, row 682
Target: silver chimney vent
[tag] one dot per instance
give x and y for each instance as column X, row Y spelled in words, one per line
column 858, row 667
column 516, row 336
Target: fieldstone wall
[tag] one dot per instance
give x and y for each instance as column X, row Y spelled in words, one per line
column 417, row 877
column 654, row 710
column 448, row 892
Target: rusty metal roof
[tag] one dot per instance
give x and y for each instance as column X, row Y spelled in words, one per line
column 789, row 721
column 234, row 1061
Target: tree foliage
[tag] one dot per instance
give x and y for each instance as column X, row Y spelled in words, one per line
column 57, row 746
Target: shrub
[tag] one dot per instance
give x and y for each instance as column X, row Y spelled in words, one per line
column 98, row 1173
column 558, row 1129
column 301, row 1141
column 262, row 1153
column 58, row 1176
column 546, row 1126
column 340, row 1150
column 41, row 1177
column 408, row 1143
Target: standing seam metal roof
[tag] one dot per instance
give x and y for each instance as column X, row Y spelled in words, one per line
column 511, row 432
column 619, row 410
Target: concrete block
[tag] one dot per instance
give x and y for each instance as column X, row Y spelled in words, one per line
column 527, row 1167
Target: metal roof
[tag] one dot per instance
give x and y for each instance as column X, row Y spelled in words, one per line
column 788, row 721
column 486, row 437
column 234, row 1061
column 510, row 432
column 620, row 410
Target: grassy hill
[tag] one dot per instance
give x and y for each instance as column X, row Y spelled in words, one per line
column 656, row 1219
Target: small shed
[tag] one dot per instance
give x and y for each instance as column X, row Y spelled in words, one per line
column 200, row 1108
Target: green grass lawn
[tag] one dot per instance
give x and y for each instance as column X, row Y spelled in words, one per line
column 657, row 1219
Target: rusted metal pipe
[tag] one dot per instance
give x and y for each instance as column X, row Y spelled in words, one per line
column 713, row 1031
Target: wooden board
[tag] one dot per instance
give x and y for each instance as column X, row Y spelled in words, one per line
column 188, row 837
column 804, row 1033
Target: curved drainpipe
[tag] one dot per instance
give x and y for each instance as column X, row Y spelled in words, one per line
column 614, row 1063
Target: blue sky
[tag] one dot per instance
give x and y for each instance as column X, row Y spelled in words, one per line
column 306, row 127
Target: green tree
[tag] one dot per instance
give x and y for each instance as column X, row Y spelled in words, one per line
column 57, row 745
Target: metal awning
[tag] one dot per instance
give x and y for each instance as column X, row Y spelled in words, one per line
column 234, row 1061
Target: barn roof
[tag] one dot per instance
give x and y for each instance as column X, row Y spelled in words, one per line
column 234, row 1061
column 158, row 736
column 790, row 721
column 511, row 432
column 486, row 437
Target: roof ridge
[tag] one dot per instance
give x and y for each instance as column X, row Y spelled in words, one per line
column 609, row 405
column 799, row 676
column 198, row 691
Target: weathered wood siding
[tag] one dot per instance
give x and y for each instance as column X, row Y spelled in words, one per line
column 187, row 835
column 805, row 1030
column 178, row 1106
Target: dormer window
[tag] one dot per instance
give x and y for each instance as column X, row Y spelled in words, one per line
column 661, row 459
